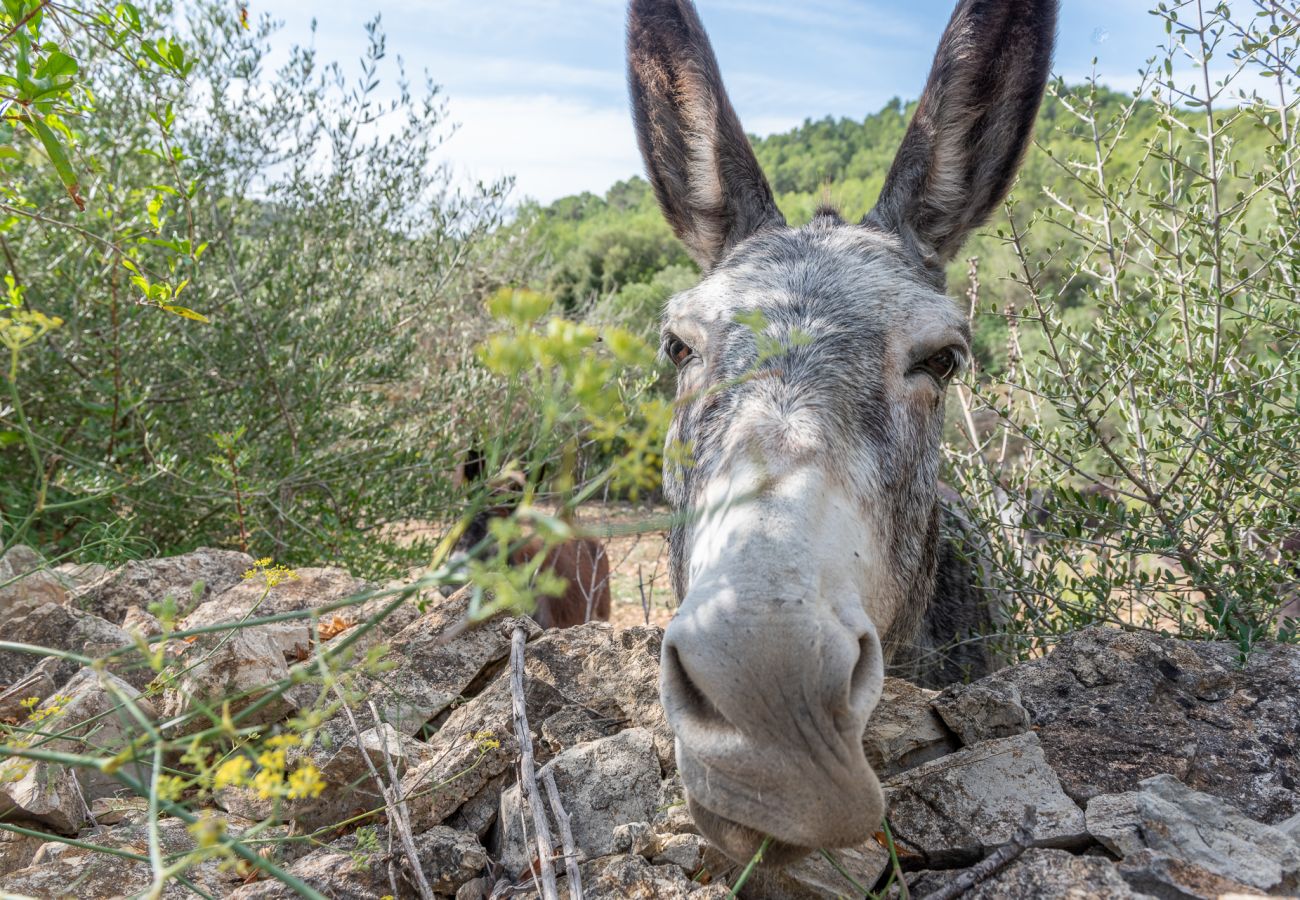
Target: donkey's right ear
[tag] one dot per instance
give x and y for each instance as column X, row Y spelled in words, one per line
column 697, row 156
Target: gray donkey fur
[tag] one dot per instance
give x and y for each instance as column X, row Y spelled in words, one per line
column 957, row 161
column 813, row 553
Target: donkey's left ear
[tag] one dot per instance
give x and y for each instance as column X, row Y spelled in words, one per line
column 972, row 124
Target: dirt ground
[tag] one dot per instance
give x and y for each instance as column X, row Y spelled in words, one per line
column 640, row 591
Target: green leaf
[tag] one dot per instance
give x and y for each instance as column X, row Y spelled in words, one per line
column 59, row 157
column 186, row 313
column 57, row 65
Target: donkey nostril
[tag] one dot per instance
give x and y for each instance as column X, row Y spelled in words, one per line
column 867, row 672
column 686, row 697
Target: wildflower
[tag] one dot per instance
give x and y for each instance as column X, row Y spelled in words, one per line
column 232, row 773
column 306, row 781
column 271, row 575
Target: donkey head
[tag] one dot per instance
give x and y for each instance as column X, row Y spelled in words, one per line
column 812, row 367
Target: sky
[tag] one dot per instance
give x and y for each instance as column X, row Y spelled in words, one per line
column 536, row 87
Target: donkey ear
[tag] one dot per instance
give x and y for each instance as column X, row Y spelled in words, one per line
column 972, row 125
column 697, row 156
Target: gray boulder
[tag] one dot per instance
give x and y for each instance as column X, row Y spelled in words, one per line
column 239, row 667
column 602, row 784
column 1170, row 818
column 190, row 578
column 955, row 809
column 1112, row 708
column 904, row 731
column 25, row 583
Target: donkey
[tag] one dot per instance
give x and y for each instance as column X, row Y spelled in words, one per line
column 583, row 563
column 810, row 554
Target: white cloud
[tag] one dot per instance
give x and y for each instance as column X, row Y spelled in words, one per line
column 554, row 146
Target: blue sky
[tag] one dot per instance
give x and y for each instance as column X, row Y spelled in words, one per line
column 537, row 86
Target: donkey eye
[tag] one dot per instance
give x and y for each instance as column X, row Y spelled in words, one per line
column 677, row 350
column 941, row 366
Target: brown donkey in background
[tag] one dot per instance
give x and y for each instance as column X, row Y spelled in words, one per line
column 583, row 563
column 812, row 552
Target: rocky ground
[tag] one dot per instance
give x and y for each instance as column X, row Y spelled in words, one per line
column 1153, row 768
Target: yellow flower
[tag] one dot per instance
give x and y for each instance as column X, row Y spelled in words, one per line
column 232, row 773
column 306, row 781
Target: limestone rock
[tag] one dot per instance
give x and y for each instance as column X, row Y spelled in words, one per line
column 438, row 658
column 904, row 731
column 1197, row 828
column 91, row 716
column 239, row 666
column 1039, row 874
column 957, row 808
column 812, row 877
column 190, row 578
column 630, row 877
column 253, row 598
column 602, row 784
column 141, row 622
column 1114, row 821
column 62, row 872
column 449, row 858
column 982, row 711
column 1112, row 708
column 77, row 575
column 17, row 851
column 25, row 584
column 40, row 792
column 1173, row 879
column 60, row 627
column 350, row 787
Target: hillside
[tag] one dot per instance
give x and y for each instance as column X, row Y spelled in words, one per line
column 613, row 256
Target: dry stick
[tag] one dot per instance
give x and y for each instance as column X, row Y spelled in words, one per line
column 398, row 806
column 392, row 798
column 566, row 837
column 993, row 863
column 527, row 774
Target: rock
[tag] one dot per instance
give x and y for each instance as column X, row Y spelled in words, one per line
column 449, row 858
column 253, row 598
column 479, row 813
column 437, row 660
column 126, row 810
column 62, row 871
column 17, row 851
column 1292, row 827
column 811, row 877
column 671, row 813
column 45, row 793
column 237, row 666
column 25, row 584
column 1197, row 828
column 1168, row 878
column 1112, row 708
column 141, row 622
column 602, row 784
column 613, row 674
column 955, row 809
column 337, row 875
column 1039, row 875
column 630, row 877
column 1114, row 821
column 904, row 731
column 635, row 837
column 38, row 682
column 350, row 787
column 64, row 628
column 190, row 578
column 982, row 711
column 90, row 719
column 77, row 575
column 685, row 851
